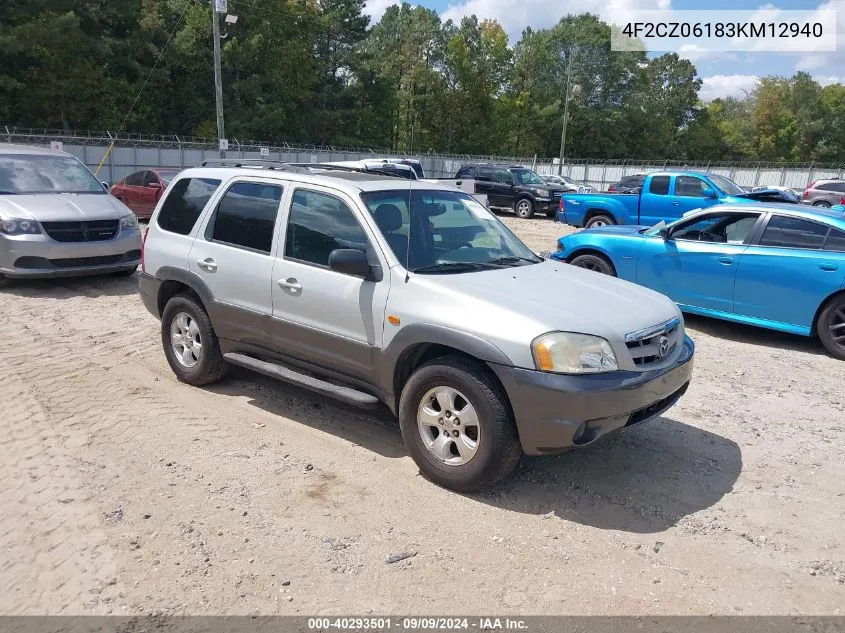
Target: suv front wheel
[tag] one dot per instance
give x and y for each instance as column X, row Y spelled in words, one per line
column 457, row 424
column 524, row 208
column 190, row 344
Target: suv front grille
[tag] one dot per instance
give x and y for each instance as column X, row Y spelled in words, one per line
column 654, row 344
column 90, row 231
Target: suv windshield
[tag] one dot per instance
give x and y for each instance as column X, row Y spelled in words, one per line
column 448, row 231
column 43, row 173
column 726, row 186
column 527, row 177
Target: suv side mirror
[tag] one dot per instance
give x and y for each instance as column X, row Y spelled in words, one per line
column 710, row 193
column 349, row 261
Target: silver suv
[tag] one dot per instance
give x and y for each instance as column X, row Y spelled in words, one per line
column 376, row 290
column 57, row 220
column 824, row 193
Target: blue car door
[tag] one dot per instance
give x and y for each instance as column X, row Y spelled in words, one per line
column 655, row 202
column 783, row 278
column 691, row 192
column 696, row 263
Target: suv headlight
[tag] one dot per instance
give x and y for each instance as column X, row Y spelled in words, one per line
column 129, row 222
column 19, row 226
column 572, row 353
column 543, row 193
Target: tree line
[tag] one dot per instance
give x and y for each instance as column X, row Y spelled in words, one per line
column 317, row 71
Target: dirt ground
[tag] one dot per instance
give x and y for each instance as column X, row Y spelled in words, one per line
column 124, row 491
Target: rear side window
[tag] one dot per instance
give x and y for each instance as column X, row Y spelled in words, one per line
column 785, row 232
column 484, row 173
column 184, row 204
column 318, row 224
column 246, row 216
column 832, row 186
column 135, row 180
column 465, row 172
column 659, row 185
column 150, row 178
column 835, row 241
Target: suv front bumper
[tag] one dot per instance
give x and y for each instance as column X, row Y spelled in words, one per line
column 556, row 412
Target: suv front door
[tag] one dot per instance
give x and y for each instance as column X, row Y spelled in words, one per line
column 232, row 254
column 321, row 316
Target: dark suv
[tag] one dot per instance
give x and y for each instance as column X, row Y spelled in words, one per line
column 513, row 187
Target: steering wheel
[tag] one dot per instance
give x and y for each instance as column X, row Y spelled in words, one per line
column 709, row 236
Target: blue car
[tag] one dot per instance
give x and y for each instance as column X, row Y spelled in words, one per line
column 775, row 266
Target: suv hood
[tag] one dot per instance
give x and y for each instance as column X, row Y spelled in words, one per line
column 53, row 207
column 523, row 302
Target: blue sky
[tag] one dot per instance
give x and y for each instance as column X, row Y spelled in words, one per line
column 725, row 73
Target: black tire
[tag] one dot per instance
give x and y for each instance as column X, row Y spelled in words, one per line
column 822, row 203
column 599, row 220
column 210, row 366
column 595, row 263
column 128, row 272
column 498, row 448
column 831, row 327
column 4, row 281
column 524, row 208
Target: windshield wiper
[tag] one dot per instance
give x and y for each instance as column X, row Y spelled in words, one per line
column 512, row 259
column 455, row 267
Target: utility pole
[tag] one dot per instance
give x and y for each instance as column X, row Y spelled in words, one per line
column 565, row 112
column 217, row 8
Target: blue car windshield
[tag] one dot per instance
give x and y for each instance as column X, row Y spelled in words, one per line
column 725, row 185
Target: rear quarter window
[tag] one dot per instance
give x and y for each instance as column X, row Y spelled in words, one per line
column 659, row 185
column 184, row 204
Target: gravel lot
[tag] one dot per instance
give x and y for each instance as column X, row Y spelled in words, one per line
column 124, row 491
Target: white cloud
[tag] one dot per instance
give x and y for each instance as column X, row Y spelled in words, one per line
column 376, row 8
column 720, row 86
column 515, row 15
column 831, row 79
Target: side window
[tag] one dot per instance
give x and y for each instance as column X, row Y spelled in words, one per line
column 150, row 177
column 832, row 186
column 318, row 224
column 246, row 216
column 786, row 232
column 689, row 186
column 185, row 203
column 502, row 176
column 464, row 172
column 135, row 180
column 659, row 185
column 484, row 173
column 731, row 228
column 835, row 241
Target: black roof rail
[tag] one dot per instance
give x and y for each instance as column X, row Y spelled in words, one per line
column 252, row 162
column 402, row 169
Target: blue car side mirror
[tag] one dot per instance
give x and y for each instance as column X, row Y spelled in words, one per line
column 710, row 193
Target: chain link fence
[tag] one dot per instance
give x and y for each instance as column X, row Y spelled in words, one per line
column 132, row 152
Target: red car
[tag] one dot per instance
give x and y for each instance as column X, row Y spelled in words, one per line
column 141, row 190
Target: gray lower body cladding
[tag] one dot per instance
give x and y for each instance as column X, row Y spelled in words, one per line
column 555, row 413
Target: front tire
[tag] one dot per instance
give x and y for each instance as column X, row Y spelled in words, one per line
column 831, row 327
column 599, row 220
column 524, row 208
column 595, row 263
column 457, row 425
column 190, row 344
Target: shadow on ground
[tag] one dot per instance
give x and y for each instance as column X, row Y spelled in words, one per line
column 753, row 335
column 63, row 288
column 645, row 481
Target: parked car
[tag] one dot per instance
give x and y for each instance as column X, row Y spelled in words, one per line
column 664, row 196
column 141, row 190
column 514, row 188
column 57, row 219
column 824, row 193
column 315, row 278
column 783, row 195
column 628, row 184
column 567, row 183
column 775, row 266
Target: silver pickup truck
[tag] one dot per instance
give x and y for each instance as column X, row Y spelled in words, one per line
column 379, row 291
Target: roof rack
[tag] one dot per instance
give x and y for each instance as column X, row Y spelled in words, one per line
column 253, row 162
column 360, row 170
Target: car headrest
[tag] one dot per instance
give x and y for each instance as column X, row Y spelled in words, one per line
column 432, row 209
column 388, row 217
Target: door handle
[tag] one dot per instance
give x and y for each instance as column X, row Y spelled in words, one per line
column 291, row 285
column 676, row 204
column 830, row 268
column 727, row 261
column 207, row 264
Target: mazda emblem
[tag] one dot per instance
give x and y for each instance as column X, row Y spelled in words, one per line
column 663, row 347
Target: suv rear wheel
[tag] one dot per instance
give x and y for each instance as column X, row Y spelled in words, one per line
column 190, row 344
column 524, row 208
column 457, row 425
column 822, row 203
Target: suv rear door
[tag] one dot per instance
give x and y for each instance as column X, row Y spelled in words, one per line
column 233, row 255
column 321, row 316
